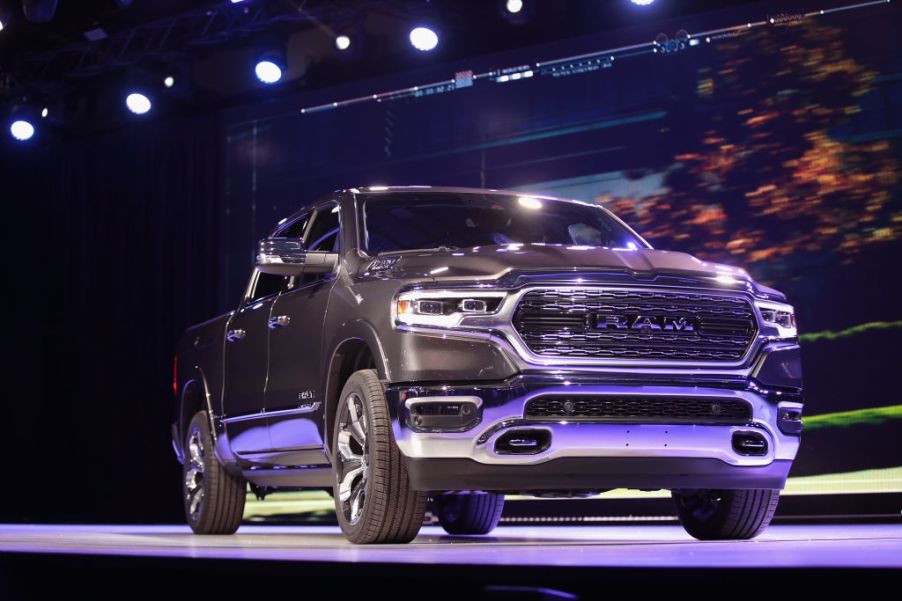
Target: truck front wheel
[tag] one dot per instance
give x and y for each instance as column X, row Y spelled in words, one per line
column 469, row 513
column 374, row 502
column 213, row 498
column 725, row 514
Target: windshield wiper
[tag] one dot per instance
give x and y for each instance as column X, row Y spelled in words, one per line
column 443, row 249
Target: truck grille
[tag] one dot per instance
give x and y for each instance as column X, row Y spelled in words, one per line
column 635, row 324
column 660, row 409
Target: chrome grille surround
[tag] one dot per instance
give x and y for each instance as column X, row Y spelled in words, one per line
column 556, row 323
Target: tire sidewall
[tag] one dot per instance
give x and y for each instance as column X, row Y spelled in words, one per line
column 200, row 424
column 352, row 386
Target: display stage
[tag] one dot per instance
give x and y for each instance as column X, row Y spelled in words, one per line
column 569, row 558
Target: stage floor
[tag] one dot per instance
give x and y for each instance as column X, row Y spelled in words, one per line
column 639, row 546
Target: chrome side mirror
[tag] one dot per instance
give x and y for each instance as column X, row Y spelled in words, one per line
column 287, row 256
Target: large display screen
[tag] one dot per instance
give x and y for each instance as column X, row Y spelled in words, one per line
column 777, row 150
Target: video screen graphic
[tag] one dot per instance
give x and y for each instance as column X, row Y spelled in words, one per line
column 776, row 150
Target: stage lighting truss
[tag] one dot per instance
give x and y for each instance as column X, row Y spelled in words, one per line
column 589, row 62
column 666, row 45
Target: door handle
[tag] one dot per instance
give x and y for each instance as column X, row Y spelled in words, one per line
column 234, row 335
column 279, row 321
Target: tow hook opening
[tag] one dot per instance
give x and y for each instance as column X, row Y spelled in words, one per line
column 523, row 442
column 749, row 443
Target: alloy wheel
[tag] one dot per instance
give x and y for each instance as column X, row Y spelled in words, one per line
column 353, row 458
column 701, row 505
column 194, row 474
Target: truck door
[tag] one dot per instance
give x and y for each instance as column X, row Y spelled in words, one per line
column 294, row 401
column 246, row 349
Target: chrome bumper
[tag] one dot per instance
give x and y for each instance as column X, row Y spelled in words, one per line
column 502, row 411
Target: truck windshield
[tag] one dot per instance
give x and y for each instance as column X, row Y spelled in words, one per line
column 415, row 220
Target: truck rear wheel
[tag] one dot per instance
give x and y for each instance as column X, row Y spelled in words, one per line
column 374, row 502
column 213, row 498
column 725, row 514
column 469, row 513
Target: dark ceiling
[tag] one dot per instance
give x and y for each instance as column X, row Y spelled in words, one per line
column 210, row 46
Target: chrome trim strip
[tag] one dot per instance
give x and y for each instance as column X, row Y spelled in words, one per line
column 309, row 408
column 443, row 399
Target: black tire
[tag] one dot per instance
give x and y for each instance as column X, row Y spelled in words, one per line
column 387, row 510
column 469, row 513
column 221, row 504
column 725, row 514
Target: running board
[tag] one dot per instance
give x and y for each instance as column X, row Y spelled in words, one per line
column 312, row 477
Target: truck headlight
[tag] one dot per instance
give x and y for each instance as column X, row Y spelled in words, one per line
column 443, row 308
column 778, row 315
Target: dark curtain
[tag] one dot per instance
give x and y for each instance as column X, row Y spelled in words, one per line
column 112, row 246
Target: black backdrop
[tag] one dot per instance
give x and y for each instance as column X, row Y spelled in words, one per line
column 112, row 244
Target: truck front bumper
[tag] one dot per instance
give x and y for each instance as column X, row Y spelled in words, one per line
column 581, row 454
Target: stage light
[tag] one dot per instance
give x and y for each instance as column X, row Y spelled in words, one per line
column 21, row 130
column 513, row 6
column 342, row 42
column 642, row 2
column 138, row 103
column 169, row 81
column 44, row 112
column 423, row 39
column 1, row 24
column 268, row 72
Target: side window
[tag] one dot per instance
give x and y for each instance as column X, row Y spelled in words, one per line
column 323, row 236
column 295, row 229
column 267, row 284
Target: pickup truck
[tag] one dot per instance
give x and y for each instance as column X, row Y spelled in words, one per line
column 399, row 346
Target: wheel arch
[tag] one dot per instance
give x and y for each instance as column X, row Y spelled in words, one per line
column 356, row 347
column 194, row 396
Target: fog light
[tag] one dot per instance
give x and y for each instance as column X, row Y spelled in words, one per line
column 789, row 420
column 443, row 414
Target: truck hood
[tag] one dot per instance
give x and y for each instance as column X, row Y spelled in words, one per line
column 494, row 262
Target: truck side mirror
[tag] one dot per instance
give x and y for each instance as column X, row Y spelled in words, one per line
column 287, row 256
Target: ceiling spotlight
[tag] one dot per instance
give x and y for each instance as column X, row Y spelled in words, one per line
column 513, row 6
column 423, row 39
column 169, row 81
column 342, row 42
column 44, row 112
column 268, row 71
column 642, row 2
column 21, row 130
column 138, row 103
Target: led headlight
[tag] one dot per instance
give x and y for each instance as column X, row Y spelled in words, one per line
column 443, row 308
column 780, row 316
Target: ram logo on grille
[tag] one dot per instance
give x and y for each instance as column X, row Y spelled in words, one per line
column 645, row 322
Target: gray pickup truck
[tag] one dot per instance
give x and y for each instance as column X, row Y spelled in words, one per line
column 400, row 346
